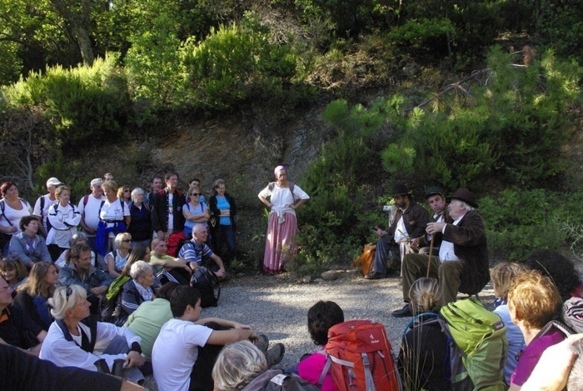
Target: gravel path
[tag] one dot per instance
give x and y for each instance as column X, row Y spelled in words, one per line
column 278, row 306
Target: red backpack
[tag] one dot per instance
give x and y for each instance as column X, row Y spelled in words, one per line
column 174, row 242
column 360, row 358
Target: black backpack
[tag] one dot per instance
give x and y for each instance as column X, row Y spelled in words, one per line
column 208, row 285
column 293, row 382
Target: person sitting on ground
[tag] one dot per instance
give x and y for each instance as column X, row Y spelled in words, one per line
column 77, row 238
column 321, row 316
column 462, row 262
column 73, row 343
column 242, row 366
column 64, row 218
column 13, row 271
column 32, row 296
column 559, row 269
column 187, row 346
column 178, row 268
column 408, row 223
column 196, row 252
column 423, row 359
column 137, row 290
column 78, row 271
column 27, row 245
column 502, row 274
column 117, row 259
column 533, row 301
column 149, row 318
column 16, row 327
column 44, row 202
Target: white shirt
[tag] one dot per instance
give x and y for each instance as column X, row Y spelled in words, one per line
column 112, row 211
column 282, row 199
column 64, row 222
column 446, row 250
column 170, row 212
column 175, row 352
column 14, row 215
column 90, row 211
column 45, row 212
column 65, row 353
column 401, row 231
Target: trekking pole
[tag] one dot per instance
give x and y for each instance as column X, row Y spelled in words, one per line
column 430, row 252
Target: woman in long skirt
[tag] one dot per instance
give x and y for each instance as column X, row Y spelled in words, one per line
column 282, row 198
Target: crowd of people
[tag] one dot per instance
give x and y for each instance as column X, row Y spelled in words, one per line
column 93, row 286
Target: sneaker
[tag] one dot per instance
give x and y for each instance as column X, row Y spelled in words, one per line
column 375, row 276
column 262, row 342
column 275, row 354
column 403, row 312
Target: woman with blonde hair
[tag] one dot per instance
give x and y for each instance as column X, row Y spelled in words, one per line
column 114, row 217
column 241, row 366
column 73, row 343
column 501, row 276
column 32, row 296
column 118, row 258
column 533, row 302
column 423, row 359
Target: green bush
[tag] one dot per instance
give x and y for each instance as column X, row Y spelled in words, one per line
column 86, row 105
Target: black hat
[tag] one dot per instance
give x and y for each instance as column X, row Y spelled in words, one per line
column 434, row 190
column 400, row 189
column 466, row 196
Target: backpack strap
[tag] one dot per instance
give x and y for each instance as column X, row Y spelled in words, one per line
column 325, row 371
column 563, row 328
column 2, row 209
column 42, row 204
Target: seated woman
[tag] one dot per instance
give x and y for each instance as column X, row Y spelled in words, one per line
column 32, row 296
column 501, row 275
column 72, row 343
column 27, row 245
column 423, row 358
column 117, row 259
column 136, row 291
column 241, row 366
column 533, row 301
column 63, row 219
column 77, row 238
column 13, row 271
column 321, row 316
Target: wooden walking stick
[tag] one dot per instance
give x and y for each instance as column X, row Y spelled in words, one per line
column 430, row 252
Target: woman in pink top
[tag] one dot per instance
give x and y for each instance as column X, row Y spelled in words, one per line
column 321, row 316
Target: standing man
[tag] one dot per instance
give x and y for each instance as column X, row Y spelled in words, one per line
column 89, row 208
column 167, row 205
column 155, row 187
column 437, row 203
column 44, row 202
column 408, row 223
column 462, row 263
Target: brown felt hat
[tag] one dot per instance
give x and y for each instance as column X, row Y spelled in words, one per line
column 466, row 196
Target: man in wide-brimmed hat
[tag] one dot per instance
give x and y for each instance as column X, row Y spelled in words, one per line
column 462, row 262
column 436, row 199
column 409, row 222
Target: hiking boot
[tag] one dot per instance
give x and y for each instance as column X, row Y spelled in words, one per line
column 275, row 354
column 375, row 276
column 262, row 342
column 403, row 312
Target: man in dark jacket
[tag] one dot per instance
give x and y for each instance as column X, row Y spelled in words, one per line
column 409, row 222
column 167, row 206
column 462, row 262
column 438, row 204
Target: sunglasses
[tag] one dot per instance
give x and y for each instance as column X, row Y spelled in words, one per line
column 127, row 191
column 196, row 194
column 126, row 240
column 69, row 292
